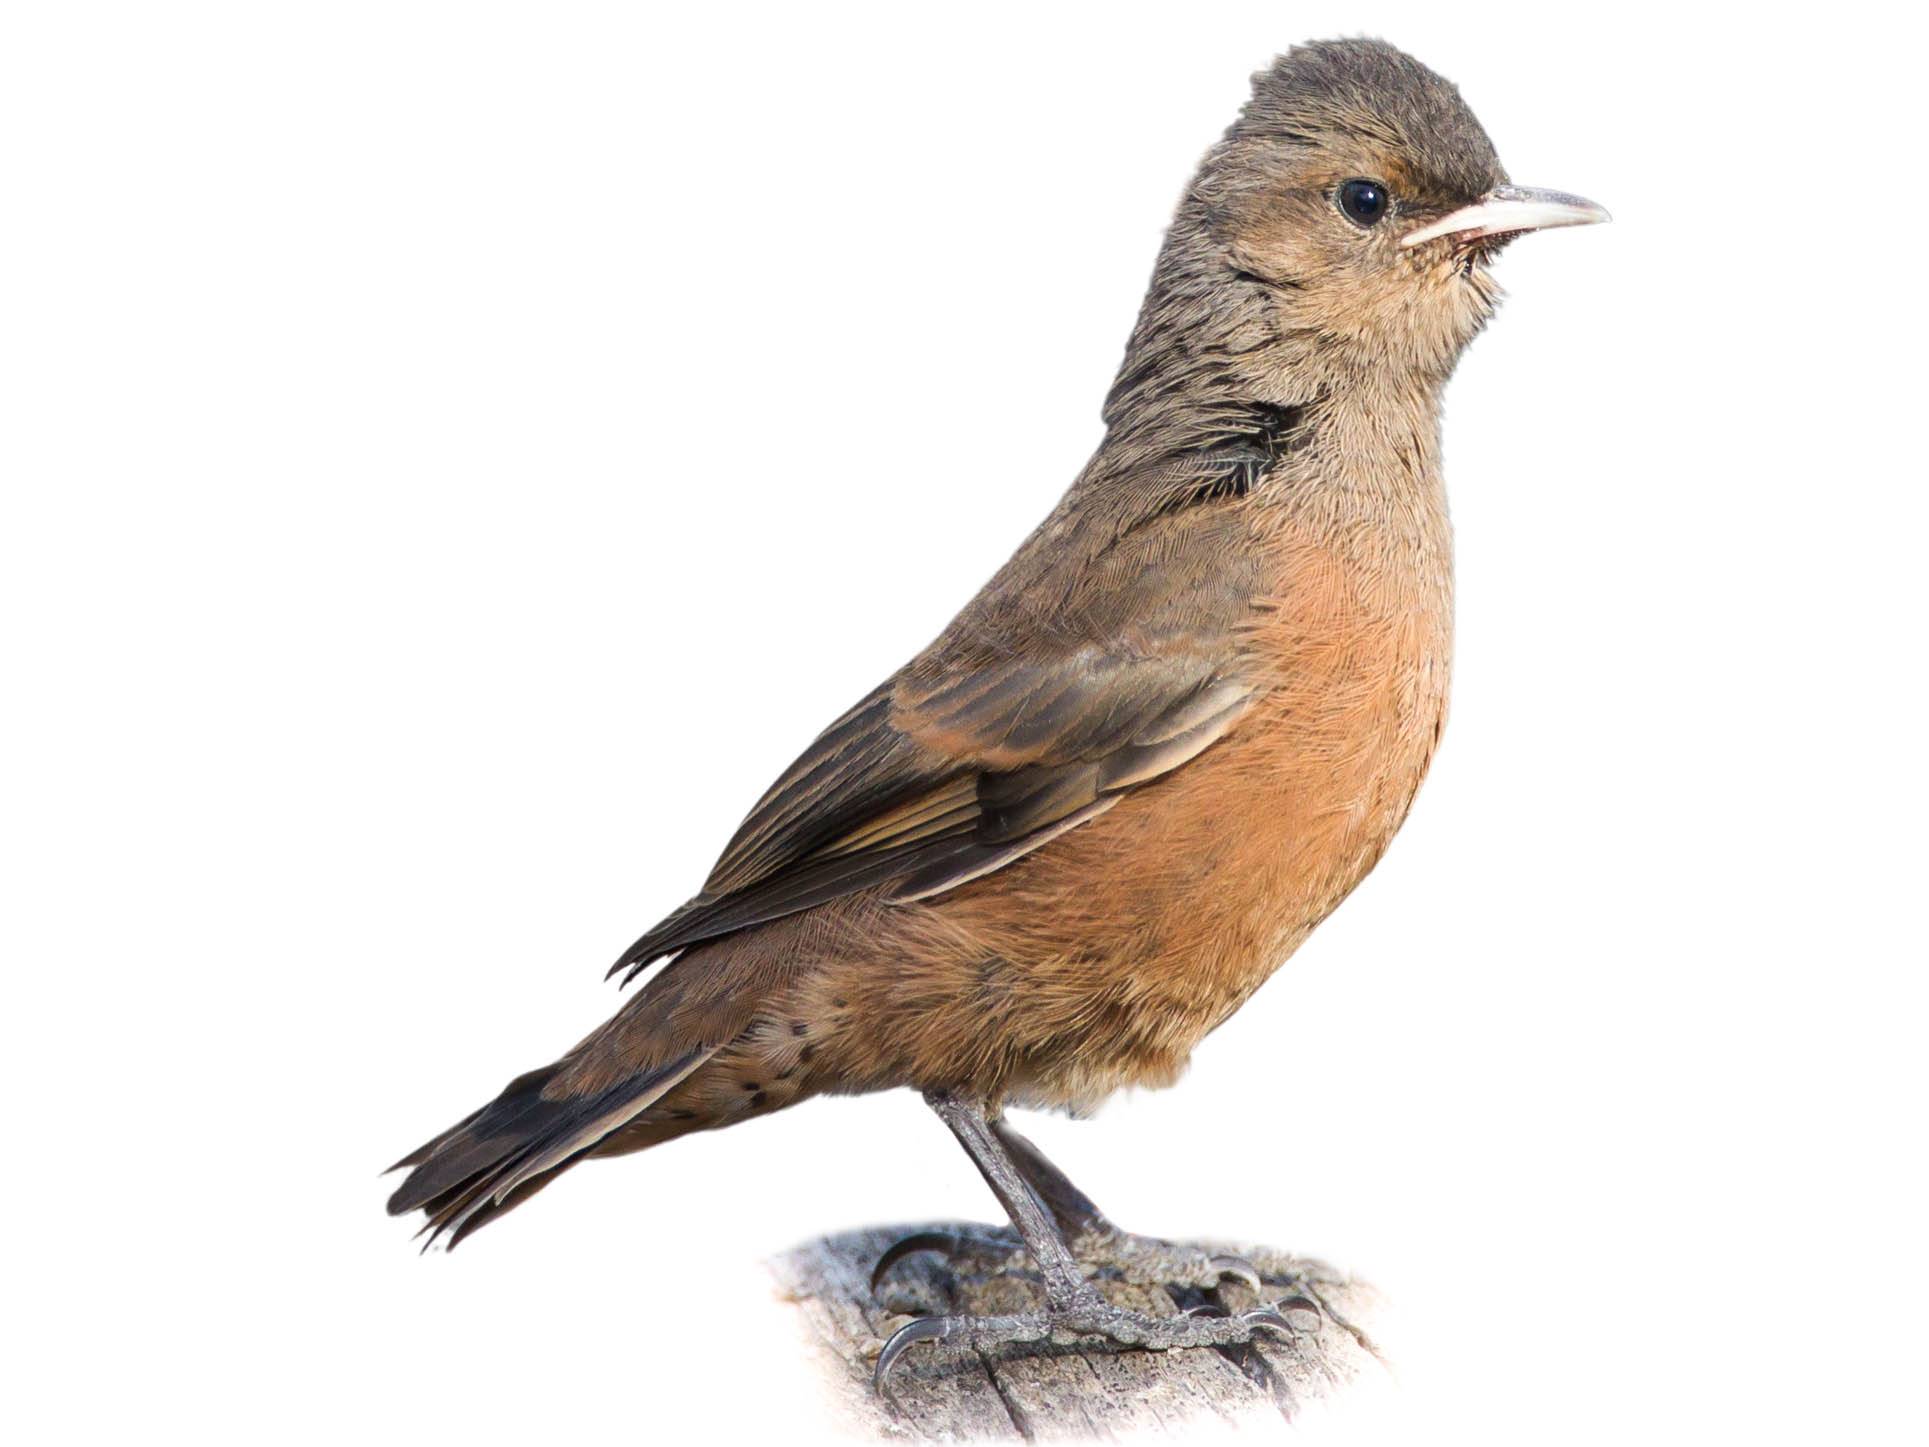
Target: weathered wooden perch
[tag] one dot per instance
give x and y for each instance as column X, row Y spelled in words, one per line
column 948, row 1393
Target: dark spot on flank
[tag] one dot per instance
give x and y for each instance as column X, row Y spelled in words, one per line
column 798, row 1027
column 752, row 1085
column 759, row 1101
column 806, row 1053
column 840, row 1004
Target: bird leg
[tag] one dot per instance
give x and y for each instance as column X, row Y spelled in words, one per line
column 1093, row 1240
column 1073, row 1306
column 1096, row 1242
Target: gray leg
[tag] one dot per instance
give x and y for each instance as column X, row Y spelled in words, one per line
column 1094, row 1241
column 1076, row 1213
column 1144, row 1260
column 1079, row 1222
column 1064, row 1282
column 1073, row 1307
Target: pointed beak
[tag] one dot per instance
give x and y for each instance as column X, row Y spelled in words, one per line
column 1506, row 210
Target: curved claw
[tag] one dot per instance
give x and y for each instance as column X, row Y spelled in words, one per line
column 1268, row 1316
column 949, row 1242
column 1240, row 1269
column 1305, row 1305
column 924, row 1328
column 1274, row 1316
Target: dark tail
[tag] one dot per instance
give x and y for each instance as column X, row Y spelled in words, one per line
column 518, row 1143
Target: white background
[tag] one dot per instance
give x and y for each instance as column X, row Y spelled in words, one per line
column 455, row 455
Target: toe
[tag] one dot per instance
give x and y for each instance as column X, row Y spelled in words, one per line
column 947, row 1242
column 924, row 1328
column 1239, row 1269
column 1289, row 1317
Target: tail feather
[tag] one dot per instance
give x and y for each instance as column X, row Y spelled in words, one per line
column 489, row 1210
column 507, row 1151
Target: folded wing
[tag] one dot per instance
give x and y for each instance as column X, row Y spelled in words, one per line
column 1092, row 665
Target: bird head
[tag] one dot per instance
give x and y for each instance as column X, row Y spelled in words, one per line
column 1364, row 199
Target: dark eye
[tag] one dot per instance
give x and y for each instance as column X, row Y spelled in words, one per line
column 1363, row 201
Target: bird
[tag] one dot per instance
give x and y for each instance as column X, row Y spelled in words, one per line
column 1052, row 852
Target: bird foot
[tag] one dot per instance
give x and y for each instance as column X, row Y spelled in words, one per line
column 1139, row 1260
column 1090, row 1315
column 1149, row 1261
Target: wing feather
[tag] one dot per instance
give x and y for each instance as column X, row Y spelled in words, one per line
column 1093, row 664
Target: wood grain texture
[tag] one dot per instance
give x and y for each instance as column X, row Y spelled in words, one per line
column 1074, row 1393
